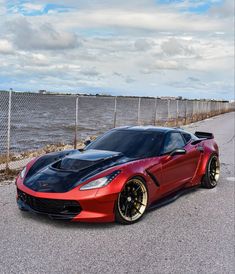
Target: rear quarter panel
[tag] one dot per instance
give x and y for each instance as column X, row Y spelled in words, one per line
column 210, row 146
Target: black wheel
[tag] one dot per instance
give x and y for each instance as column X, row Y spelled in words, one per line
column 22, row 209
column 210, row 179
column 132, row 202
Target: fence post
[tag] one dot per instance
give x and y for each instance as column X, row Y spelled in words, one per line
column 197, row 110
column 177, row 113
column 76, row 122
column 206, row 103
column 186, row 103
column 8, row 131
column 168, row 110
column 210, row 108
column 138, row 114
column 155, row 112
column 193, row 111
column 203, row 110
column 115, row 112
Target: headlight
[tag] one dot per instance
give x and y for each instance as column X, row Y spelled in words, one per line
column 22, row 173
column 101, row 181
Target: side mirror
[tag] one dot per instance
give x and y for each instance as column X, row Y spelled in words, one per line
column 87, row 142
column 178, row 151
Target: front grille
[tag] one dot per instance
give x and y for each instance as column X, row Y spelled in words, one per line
column 50, row 206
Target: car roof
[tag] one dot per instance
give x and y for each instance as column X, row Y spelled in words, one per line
column 149, row 128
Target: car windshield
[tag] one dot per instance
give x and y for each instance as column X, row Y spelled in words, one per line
column 132, row 143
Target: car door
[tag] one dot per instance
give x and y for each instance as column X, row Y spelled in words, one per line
column 193, row 155
column 178, row 169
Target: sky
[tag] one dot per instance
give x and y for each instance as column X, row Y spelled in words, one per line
column 132, row 47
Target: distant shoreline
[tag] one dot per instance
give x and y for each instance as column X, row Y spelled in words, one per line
column 73, row 94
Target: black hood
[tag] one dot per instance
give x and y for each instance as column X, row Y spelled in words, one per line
column 62, row 172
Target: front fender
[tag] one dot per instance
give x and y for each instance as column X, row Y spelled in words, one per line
column 133, row 169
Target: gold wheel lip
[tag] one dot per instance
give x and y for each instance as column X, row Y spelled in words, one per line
column 217, row 170
column 142, row 208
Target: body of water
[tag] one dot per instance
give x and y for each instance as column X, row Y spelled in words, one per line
column 38, row 119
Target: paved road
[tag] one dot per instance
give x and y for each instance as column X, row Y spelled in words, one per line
column 195, row 234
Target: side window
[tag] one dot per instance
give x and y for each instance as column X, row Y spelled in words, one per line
column 187, row 137
column 173, row 140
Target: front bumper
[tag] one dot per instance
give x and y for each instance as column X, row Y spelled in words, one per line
column 88, row 206
column 55, row 209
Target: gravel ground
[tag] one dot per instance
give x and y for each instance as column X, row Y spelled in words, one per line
column 194, row 234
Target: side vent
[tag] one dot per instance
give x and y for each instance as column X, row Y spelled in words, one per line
column 153, row 178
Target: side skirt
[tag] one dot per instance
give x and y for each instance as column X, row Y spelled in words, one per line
column 172, row 197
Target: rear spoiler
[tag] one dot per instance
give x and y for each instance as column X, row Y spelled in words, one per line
column 204, row 135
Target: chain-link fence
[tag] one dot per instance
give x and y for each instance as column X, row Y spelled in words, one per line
column 32, row 124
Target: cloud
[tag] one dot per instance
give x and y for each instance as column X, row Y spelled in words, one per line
column 129, row 80
column 29, row 7
column 175, row 46
column 90, row 72
column 2, row 8
column 209, row 88
column 135, row 47
column 143, row 44
column 6, row 47
column 225, row 9
column 33, row 60
column 162, row 65
column 193, row 79
column 151, row 20
column 43, row 37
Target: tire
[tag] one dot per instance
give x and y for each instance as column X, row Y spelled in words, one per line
column 132, row 202
column 211, row 177
column 22, row 209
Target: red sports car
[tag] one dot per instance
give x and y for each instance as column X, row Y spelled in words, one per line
column 120, row 175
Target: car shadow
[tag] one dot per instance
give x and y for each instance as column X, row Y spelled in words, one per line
column 62, row 224
column 65, row 224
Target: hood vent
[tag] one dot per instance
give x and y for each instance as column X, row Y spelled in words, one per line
column 71, row 164
column 80, row 161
